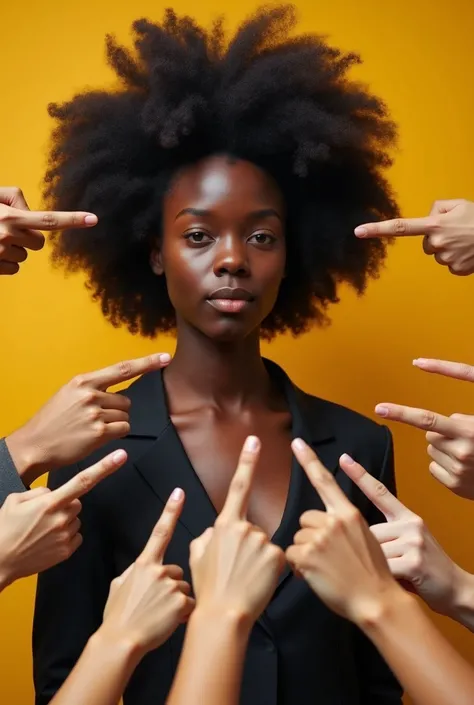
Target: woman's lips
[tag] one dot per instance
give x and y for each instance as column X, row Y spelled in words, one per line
column 229, row 305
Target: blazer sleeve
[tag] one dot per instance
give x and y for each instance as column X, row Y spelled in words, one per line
column 10, row 481
column 70, row 599
column 378, row 685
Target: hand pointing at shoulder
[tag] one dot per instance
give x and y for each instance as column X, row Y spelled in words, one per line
column 448, row 233
column 20, row 228
column 80, row 418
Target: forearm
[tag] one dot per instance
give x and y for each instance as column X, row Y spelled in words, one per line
column 462, row 609
column 428, row 667
column 101, row 674
column 210, row 668
column 25, row 459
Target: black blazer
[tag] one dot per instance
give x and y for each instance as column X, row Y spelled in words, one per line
column 299, row 651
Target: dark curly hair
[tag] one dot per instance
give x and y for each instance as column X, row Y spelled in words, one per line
column 284, row 103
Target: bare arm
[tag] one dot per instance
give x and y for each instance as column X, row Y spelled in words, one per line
column 101, row 674
column 210, row 670
column 340, row 558
column 423, row 660
column 146, row 604
column 235, row 570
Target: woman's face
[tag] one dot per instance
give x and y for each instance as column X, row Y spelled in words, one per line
column 223, row 246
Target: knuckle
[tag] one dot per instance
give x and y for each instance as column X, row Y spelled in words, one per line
column 99, row 428
column 84, row 481
column 94, row 413
column 414, row 565
column 416, row 523
column 380, row 491
column 461, row 456
column 88, row 395
column 49, row 220
column 64, row 552
column 398, row 226
column 456, row 267
column 6, row 213
column 417, row 540
column 428, row 420
column 161, row 532
column 79, row 381
column 124, row 368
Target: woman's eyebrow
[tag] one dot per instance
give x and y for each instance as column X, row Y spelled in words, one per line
column 260, row 213
column 193, row 211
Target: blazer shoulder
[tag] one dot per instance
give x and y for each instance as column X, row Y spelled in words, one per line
column 343, row 420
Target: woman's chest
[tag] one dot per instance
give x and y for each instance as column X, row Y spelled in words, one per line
column 213, row 446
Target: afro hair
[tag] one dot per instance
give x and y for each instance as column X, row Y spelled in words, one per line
column 282, row 102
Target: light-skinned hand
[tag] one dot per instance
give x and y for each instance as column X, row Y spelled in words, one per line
column 40, row 528
column 234, row 565
column 20, row 228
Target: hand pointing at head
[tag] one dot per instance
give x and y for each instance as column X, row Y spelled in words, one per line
column 448, row 233
column 20, row 228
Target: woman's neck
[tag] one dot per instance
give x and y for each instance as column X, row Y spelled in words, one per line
column 229, row 375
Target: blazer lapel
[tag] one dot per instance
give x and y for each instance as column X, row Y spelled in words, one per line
column 310, row 423
column 164, row 465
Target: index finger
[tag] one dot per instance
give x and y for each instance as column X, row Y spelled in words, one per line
column 321, row 479
column 125, row 370
column 419, row 418
column 48, row 220
column 164, row 528
column 236, row 503
column 456, row 370
column 379, row 495
column 84, row 481
column 397, row 227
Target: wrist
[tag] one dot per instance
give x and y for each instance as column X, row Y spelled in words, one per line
column 117, row 646
column 25, row 457
column 462, row 607
column 375, row 614
column 213, row 620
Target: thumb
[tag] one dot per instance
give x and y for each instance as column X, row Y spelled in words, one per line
column 440, row 207
column 200, row 545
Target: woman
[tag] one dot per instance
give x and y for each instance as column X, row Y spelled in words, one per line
column 227, row 180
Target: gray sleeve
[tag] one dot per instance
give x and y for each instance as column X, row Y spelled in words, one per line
column 10, row 481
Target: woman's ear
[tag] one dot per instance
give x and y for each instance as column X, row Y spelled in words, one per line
column 156, row 262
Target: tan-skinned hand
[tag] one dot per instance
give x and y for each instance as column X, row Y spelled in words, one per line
column 335, row 551
column 450, row 438
column 234, row 565
column 150, row 599
column 448, row 233
column 80, row 418
column 40, row 528
column 20, row 228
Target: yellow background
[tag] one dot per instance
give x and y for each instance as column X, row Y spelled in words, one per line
column 419, row 55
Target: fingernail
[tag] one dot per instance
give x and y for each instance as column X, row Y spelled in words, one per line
column 347, row 459
column 360, row 231
column 419, row 361
column 298, row 444
column 165, row 358
column 252, row 444
column 177, row 494
column 118, row 456
column 381, row 410
column 90, row 219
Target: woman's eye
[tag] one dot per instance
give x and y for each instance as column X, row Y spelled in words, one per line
column 262, row 239
column 198, row 237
